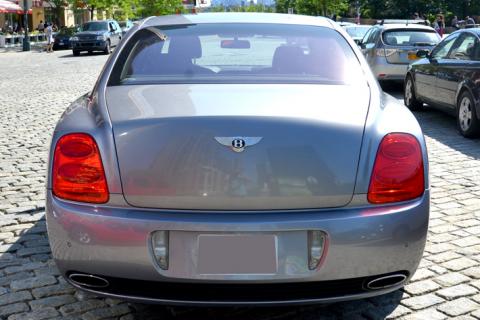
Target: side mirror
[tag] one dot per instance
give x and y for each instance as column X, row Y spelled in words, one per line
column 423, row 53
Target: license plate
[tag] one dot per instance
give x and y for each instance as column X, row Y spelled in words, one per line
column 412, row 56
column 237, row 254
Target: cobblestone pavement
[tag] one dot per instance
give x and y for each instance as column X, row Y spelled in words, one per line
column 36, row 87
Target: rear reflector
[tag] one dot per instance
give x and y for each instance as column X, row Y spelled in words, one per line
column 77, row 172
column 398, row 173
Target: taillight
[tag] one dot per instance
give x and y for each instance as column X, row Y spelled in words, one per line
column 385, row 52
column 78, row 173
column 398, row 170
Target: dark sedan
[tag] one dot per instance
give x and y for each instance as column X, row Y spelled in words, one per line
column 62, row 38
column 449, row 78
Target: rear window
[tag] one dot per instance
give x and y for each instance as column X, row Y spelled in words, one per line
column 410, row 38
column 237, row 53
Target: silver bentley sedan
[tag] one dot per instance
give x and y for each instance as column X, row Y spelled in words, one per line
column 229, row 159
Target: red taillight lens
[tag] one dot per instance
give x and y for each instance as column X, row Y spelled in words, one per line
column 78, row 173
column 398, row 171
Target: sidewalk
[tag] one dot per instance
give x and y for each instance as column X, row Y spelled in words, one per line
column 35, row 46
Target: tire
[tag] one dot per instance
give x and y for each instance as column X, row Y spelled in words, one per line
column 467, row 121
column 107, row 48
column 409, row 97
column 76, row 53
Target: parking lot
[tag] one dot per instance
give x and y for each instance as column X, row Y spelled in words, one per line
column 36, row 87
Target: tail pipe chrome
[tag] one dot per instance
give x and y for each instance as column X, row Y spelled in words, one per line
column 386, row 281
column 88, row 280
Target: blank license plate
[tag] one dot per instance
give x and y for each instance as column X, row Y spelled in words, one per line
column 237, row 254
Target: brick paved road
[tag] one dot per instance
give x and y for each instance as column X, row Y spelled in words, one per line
column 34, row 90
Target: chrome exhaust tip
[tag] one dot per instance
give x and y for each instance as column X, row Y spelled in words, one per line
column 386, row 281
column 88, row 280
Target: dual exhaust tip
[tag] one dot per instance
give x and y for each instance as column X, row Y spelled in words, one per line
column 88, row 281
column 386, row 281
column 91, row 281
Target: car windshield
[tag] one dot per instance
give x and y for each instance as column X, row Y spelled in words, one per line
column 411, row 38
column 122, row 24
column 237, row 53
column 95, row 26
column 67, row 31
column 357, row 32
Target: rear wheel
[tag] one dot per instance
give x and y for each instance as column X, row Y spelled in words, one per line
column 76, row 53
column 467, row 121
column 409, row 96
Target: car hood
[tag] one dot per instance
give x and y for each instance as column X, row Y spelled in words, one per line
column 174, row 144
column 90, row 33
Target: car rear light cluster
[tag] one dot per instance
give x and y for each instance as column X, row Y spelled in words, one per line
column 78, row 172
column 385, row 52
column 398, row 173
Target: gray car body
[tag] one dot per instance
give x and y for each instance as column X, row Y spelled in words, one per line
column 364, row 239
column 394, row 71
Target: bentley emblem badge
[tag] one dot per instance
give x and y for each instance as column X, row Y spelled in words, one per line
column 238, row 144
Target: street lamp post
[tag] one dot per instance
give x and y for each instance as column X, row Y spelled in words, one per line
column 26, row 39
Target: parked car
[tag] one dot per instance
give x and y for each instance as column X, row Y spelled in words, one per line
column 244, row 165
column 390, row 48
column 125, row 26
column 357, row 32
column 448, row 78
column 62, row 38
column 99, row 35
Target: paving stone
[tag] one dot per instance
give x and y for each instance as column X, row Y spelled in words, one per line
column 81, row 307
column 457, row 291
column 103, row 313
column 430, row 314
column 473, row 272
column 13, row 308
column 421, row 287
column 459, row 264
column 422, row 302
column 451, row 279
column 57, row 289
column 24, row 267
column 10, row 298
column 41, row 314
column 30, row 283
column 458, row 307
column 54, row 301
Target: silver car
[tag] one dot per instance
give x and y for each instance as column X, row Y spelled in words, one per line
column 233, row 158
column 390, row 48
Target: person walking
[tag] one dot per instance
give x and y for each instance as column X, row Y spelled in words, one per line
column 454, row 23
column 439, row 25
column 469, row 20
column 49, row 35
column 40, row 26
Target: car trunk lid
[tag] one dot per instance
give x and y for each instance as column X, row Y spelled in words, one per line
column 170, row 155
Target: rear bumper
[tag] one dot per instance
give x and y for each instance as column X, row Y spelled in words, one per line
column 113, row 242
column 388, row 71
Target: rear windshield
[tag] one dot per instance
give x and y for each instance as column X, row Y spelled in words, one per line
column 95, row 26
column 237, row 53
column 357, row 32
column 411, row 38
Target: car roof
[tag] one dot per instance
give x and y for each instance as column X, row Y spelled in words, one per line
column 235, row 17
column 404, row 26
column 471, row 30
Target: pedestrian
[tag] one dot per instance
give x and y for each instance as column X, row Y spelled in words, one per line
column 439, row 25
column 469, row 20
column 454, row 23
column 40, row 26
column 49, row 35
column 416, row 16
column 425, row 18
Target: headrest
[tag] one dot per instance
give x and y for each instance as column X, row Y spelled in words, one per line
column 288, row 59
column 185, row 46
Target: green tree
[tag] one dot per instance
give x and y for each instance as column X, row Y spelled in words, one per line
column 159, row 7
